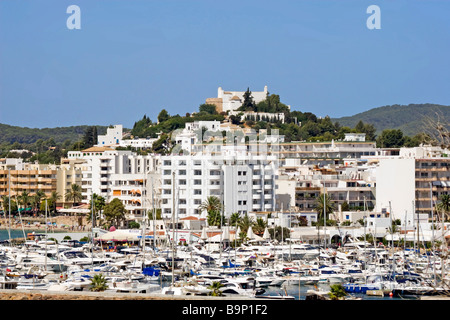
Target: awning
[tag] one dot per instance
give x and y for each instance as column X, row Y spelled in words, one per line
column 119, row 235
column 74, row 210
column 441, row 184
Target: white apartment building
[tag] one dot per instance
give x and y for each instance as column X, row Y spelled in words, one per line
column 120, row 174
column 300, row 184
column 242, row 185
column 410, row 185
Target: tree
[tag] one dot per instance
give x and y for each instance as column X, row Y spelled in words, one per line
column 157, row 216
column 215, row 218
column 74, row 194
column 99, row 205
column 162, row 145
column 235, row 119
column 36, row 200
column 337, row 292
column 438, row 130
column 444, row 204
column 163, row 116
column 24, row 199
column 391, row 138
column 248, row 104
column 259, row 226
column 215, row 289
column 211, row 204
column 345, row 206
column 366, row 128
column 98, row 283
column 208, row 108
column 234, row 218
column 5, row 205
column 55, row 196
column 115, row 212
column 245, row 223
column 279, row 233
column 90, row 137
column 319, row 206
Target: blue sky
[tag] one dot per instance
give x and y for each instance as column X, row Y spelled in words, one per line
column 132, row 58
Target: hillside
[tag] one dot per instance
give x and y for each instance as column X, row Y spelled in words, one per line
column 408, row 118
column 11, row 134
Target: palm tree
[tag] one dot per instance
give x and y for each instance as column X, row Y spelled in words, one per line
column 215, row 289
column 337, row 292
column 444, row 204
column 36, row 200
column 319, row 206
column 235, row 218
column 245, row 223
column 99, row 204
column 74, row 194
column 259, row 226
column 215, row 218
column 5, row 205
column 55, row 196
column 213, row 207
column 212, row 203
column 24, row 199
column 98, row 283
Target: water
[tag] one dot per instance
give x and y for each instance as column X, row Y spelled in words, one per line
column 16, row 233
column 293, row 290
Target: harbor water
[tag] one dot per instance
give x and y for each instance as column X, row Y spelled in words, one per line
column 6, row 234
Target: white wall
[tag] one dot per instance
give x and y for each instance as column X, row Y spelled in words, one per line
column 113, row 136
column 396, row 183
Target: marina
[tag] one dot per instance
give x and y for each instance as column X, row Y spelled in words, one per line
column 254, row 270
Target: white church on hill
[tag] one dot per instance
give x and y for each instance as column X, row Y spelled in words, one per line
column 231, row 100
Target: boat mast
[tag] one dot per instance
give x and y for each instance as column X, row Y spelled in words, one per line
column 324, row 219
column 92, row 231
column 154, row 216
column 144, row 218
column 432, row 232
column 365, row 226
column 9, row 207
column 173, row 227
column 392, row 237
column 46, row 234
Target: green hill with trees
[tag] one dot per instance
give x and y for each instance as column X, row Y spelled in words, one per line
column 390, row 126
column 11, row 134
column 411, row 119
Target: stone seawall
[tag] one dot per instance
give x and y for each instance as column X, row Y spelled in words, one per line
column 6, row 294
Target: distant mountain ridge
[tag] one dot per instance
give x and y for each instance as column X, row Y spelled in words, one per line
column 11, row 134
column 408, row 118
column 411, row 119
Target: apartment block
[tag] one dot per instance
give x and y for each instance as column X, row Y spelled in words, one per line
column 241, row 184
column 411, row 184
column 120, row 174
column 16, row 177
